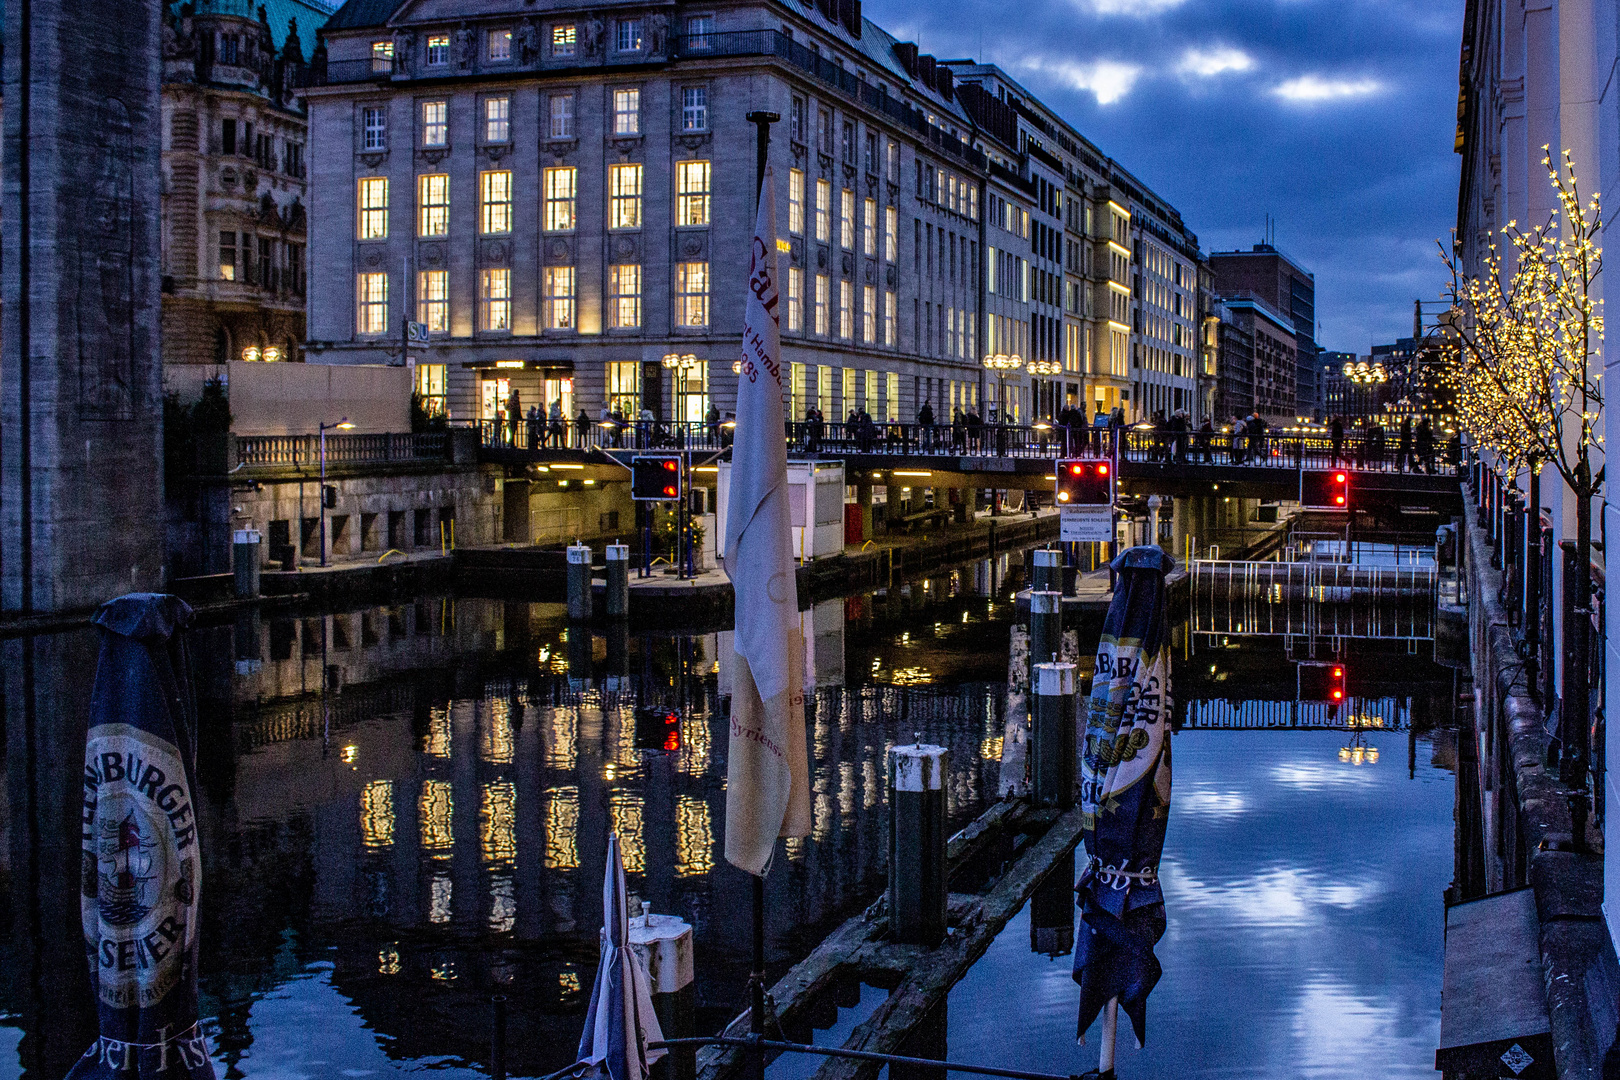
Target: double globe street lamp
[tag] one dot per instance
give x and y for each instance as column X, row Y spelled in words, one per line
column 1001, row 364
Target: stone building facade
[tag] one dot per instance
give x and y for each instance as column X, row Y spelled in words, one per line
column 235, row 165
column 563, row 201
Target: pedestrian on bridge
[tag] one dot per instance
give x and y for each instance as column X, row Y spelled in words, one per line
column 537, row 430
column 925, row 422
column 1377, row 441
column 1337, row 428
column 1425, row 447
column 1240, row 440
column 558, row 423
column 1257, row 437
column 582, row 428
column 1206, row 432
column 959, row 432
column 711, row 420
column 1403, row 452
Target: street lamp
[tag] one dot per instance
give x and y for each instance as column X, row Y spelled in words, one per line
column 341, row 425
column 679, row 365
column 1001, row 364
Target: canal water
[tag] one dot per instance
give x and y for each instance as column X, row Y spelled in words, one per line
column 405, row 810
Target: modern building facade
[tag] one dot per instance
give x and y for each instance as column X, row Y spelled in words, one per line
column 1266, row 274
column 1258, row 361
column 235, row 165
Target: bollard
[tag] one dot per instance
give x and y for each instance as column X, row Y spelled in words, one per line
column 497, row 1041
column 1045, row 629
column 245, row 562
column 579, row 583
column 1052, row 736
column 618, row 581
column 664, row 944
column 917, row 843
column 618, row 655
column 1048, row 570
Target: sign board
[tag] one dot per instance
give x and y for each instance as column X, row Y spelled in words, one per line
column 416, row 333
column 1087, row 523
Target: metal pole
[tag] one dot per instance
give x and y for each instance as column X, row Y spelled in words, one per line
column 497, row 1050
column 323, row 493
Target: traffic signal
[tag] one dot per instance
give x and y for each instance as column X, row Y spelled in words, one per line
column 658, row 729
column 1325, row 489
column 1085, row 482
column 655, row 478
column 1322, row 682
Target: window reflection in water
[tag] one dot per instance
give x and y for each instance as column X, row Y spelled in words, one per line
column 562, row 751
column 377, row 814
column 562, row 823
column 497, row 823
column 624, row 809
column 436, row 810
column 439, row 897
column 694, row 838
column 495, row 741
column 436, row 743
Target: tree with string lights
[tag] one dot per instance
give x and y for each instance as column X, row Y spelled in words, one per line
column 1529, row 378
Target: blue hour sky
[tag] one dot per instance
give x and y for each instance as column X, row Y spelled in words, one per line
column 1335, row 117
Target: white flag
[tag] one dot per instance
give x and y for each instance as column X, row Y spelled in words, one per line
column 767, row 772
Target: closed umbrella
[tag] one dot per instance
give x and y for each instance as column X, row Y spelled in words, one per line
column 142, row 863
column 1125, row 800
column 620, row 1022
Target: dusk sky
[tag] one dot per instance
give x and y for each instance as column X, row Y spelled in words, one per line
column 1333, row 116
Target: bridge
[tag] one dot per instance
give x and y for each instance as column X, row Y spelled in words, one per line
column 1149, row 462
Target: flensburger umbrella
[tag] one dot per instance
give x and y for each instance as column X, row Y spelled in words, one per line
column 1125, row 798
column 141, row 865
column 620, row 1022
column 767, row 768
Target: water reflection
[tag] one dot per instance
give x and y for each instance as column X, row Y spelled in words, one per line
column 406, row 808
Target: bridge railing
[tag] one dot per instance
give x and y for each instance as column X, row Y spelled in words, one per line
column 304, row 451
column 1289, row 451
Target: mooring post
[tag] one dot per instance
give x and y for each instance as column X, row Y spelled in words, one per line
column 664, row 943
column 245, row 563
column 1052, row 736
column 579, row 583
column 1045, row 628
column 497, row 1042
column 917, row 843
column 1048, row 570
column 618, row 581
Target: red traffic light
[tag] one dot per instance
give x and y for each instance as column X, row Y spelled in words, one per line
column 1324, row 489
column 1084, row 482
column 1322, row 682
column 655, row 478
column 1102, row 468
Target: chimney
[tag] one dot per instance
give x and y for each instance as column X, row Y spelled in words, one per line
column 946, row 82
column 906, row 53
column 925, row 68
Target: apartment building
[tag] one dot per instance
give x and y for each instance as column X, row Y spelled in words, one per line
column 561, row 201
column 1266, row 274
column 235, row 163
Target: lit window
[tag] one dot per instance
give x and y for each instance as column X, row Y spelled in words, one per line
column 433, row 300
column 372, row 290
column 869, row 314
column 559, row 297
column 869, row 228
column 227, row 255
column 562, row 186
column 624, row 386
column 496, row 199
column 891, row 233
column 433, row 204
column 846, row 309
column 629, row 39
column 823, row 209
column 562, row 116
column 564, row 40
column 435, row 123
column 795, row 299
column 691, row 193
column 846, row 219
column 497, row 119
column 495, row 298
column 692, row 294
column 374, row 128
column 373, row 207
column 698, row 29
column 430, row 387
column 624, row 297
column 695, row 108
column 624, row 189
column 627, row 112
column 796, row 201
column 498, row 44
column 438, row 50
column 382, row 57
column 890, row 304
column 823, row 284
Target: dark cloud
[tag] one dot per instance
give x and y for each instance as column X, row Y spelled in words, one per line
column 1334, row 117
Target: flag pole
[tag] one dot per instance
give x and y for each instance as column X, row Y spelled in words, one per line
column 1110, row 1032
column 762, row 122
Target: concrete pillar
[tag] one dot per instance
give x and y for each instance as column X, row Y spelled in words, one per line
column 917, row 872
column 245, row 563
column 81, row 377
column 665, row 945
column 618, row 581
column 515, row 520
column 580, row 601
column 1045, row 628
column 1052, row 735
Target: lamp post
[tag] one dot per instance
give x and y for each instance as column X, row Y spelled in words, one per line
column 341, row 425
column 679, row 365
column 1001, row 364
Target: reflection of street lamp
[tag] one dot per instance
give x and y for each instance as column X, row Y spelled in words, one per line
column 341, row 425
column 1001, row 364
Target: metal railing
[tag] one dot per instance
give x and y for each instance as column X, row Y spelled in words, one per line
column 1313, row 600
column 300, row 451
